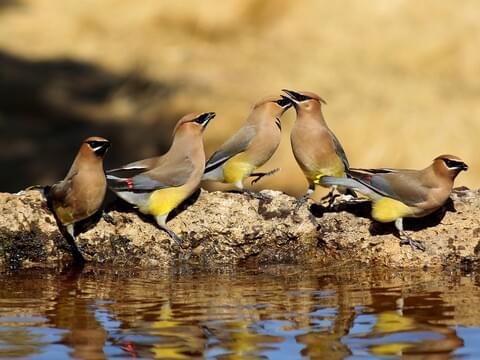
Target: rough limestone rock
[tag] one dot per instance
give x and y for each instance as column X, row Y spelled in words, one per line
column 230, row 228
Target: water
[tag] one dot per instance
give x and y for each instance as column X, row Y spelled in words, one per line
column 281, row 312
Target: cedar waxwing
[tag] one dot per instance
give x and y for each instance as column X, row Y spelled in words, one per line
column 400, row 193
column 250, row 147
column 81, row 193
column 315, row 147
column 159, row 184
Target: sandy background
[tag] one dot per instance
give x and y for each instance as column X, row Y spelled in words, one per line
column 401, row 78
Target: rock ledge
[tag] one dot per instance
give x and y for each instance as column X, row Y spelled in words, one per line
column 229, row 228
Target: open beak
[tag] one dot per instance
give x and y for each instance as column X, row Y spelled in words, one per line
column 295, row 96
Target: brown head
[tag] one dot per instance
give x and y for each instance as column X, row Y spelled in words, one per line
column 305, row 102
column 273, row 105
column 193, row 123
column 95, row 146
column 449, row 166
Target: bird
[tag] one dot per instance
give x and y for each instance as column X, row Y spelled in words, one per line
column 81, row 193
column 158, row 185
column 316, row 148
column 250, row 147
column 400, row 193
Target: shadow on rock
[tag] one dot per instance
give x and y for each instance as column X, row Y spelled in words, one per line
column 363, row 209
column 359, row 208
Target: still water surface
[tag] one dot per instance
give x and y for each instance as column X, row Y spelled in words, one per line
column 281, row 312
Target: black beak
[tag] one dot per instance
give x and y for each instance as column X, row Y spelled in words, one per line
column 463, row 167
column 295, row 96
column 205, row 118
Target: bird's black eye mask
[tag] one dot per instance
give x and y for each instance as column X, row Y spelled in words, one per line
column 95, row 143
column 454, row 164
column 300, row 97
column 99, row 147
column 284, row 102
column 204, row 118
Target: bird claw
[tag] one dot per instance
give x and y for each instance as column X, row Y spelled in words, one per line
column 256, row 195
column 258, row 176
column 415, row 244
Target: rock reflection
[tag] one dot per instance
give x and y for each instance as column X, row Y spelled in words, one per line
column 287, row 311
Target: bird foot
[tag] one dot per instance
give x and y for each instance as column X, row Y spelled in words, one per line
column 258, row 176
column 415, row 244
column 300, row 202
column 257, row 195
column 177, row 239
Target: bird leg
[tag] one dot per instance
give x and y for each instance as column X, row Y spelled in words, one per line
column 77, row 255
column 261, row 175
column 161, row 219
column 405, row 239
column 331, row 196
column 345, row 196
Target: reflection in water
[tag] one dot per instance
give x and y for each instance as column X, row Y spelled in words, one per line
column 282, row 311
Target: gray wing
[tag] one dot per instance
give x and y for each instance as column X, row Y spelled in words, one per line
column 404, row 186
column 168, row 174
column 236, row 144
column 339, row 150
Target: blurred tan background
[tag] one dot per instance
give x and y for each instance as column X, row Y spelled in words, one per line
column 401, row 78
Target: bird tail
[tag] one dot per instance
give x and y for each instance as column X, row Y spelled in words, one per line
column 43, row 189
column 349, row 183
column 338, row 181
column 117, row 184
column 215, row 174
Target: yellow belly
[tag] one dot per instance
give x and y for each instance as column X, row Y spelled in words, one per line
column 236, row 169
column 163, row 201
column 387, row 210
column 336, row 169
